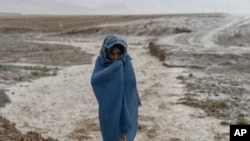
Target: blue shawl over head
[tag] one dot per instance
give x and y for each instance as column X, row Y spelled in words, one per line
column 114, row 85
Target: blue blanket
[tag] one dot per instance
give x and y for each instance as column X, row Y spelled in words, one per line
column 114, row 85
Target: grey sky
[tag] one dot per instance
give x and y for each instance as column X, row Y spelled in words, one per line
column 123, row 6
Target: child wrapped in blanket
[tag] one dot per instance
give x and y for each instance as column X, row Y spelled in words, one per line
column 114, row 84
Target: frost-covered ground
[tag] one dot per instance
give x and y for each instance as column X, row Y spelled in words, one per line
column 192, row 74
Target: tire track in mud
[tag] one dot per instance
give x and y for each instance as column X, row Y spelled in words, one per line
column 209, row 39
column 205, row 37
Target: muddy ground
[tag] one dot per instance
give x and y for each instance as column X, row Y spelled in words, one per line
column 217, row 58
column 217, row 80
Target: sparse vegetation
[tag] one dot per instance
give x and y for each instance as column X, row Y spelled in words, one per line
column 242, row 120
column 6, row 68
column 24, row 73
column 220, row 104
column 44, row 71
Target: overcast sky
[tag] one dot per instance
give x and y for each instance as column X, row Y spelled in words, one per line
column 123, row 6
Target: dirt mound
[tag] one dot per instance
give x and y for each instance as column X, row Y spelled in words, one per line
column 8, row 132
column 3, row 98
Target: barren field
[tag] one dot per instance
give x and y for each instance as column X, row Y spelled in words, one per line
column 192, row 74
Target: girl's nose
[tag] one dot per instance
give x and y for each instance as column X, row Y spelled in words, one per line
column 116, row 56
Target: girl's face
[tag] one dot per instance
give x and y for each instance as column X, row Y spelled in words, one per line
column 115, row 53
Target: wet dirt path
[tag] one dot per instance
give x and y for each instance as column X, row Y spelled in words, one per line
column 64, row 106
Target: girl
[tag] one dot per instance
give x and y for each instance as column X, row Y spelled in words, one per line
column 114, row 84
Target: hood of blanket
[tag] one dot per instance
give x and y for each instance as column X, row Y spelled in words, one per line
column 108, row 43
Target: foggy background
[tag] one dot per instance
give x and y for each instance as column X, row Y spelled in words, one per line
column 123, row 6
